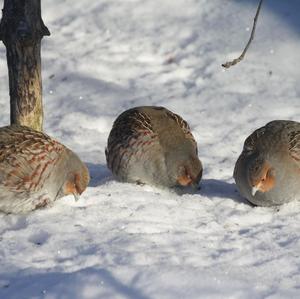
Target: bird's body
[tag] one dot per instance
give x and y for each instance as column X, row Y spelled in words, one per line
column 267, row 172
column 35, row 170
column 153, row 145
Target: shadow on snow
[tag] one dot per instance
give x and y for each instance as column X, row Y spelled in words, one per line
column 66, row 285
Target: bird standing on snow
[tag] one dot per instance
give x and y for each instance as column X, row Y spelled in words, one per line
column 35, row 170
column 267, row 172
column 154, row 146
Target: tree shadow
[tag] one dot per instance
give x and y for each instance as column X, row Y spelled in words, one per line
column 72, row 285
column 113, row 100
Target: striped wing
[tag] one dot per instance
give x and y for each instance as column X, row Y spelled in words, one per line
column 132, row 135
column 294, row 145
column 184, row 126
column 251, row 142
column 27, row 158
column 289, row 136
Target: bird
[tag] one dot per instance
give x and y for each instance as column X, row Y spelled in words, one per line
column 36, row 170
column 152, row 145
column 267, row 172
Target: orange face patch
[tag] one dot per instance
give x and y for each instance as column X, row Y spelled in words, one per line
column 267, row 182
column 70, row 188
column 184, row 180
column 77, row 184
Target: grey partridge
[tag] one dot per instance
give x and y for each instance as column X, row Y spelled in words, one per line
column 152, row 145
column 36, row 170
column 267, row 173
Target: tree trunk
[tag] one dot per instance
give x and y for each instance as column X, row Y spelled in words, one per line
column 21, row 30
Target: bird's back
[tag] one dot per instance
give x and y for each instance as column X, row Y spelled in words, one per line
column 141, row 138
column 27, row 160
column 278, row 142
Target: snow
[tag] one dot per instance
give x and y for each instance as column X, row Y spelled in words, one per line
column 139, row 242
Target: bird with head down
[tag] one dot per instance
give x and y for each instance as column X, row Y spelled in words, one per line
column 152, row 145
column 267, row 172
column 36, row 170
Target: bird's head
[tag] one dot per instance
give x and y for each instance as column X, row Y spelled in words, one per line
column 189, row 172
column 261, row 176
column 77, row 178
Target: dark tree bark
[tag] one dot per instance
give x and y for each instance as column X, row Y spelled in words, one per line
column 21, row 30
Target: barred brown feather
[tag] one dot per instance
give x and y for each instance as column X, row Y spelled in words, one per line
column 271, row 156
column 151, row 145
column 33, row 169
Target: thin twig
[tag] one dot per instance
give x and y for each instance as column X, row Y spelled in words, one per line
column 240, row 58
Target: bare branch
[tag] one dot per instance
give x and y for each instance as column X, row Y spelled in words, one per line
column 241, row 57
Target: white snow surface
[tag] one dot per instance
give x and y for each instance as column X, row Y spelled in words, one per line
column 139, row 242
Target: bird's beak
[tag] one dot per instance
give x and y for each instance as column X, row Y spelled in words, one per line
column 254, row 190
column 76, row 196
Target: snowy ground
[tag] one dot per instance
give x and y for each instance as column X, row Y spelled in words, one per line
column 127, row 241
